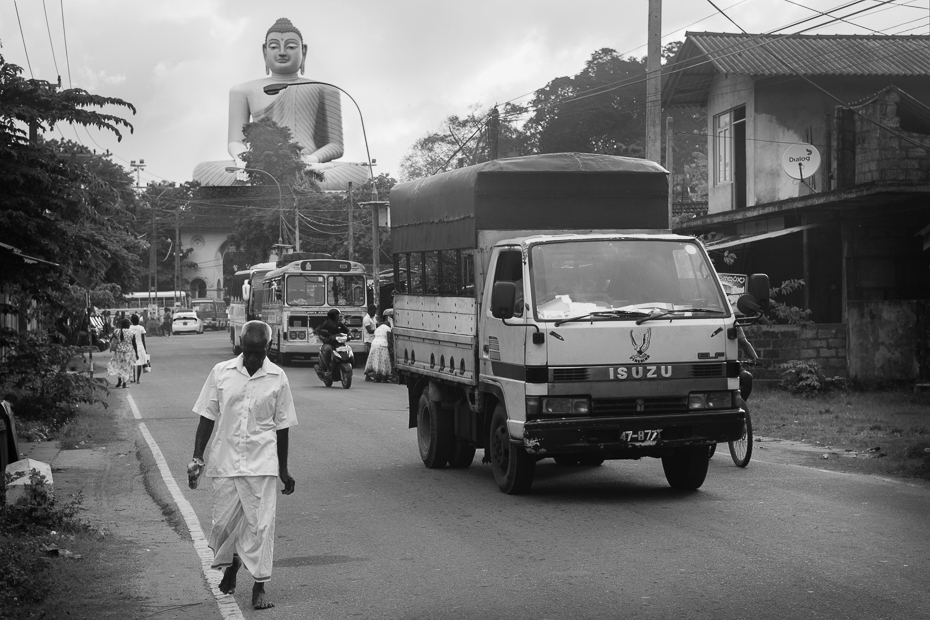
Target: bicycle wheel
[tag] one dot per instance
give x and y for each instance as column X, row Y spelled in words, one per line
column 741, row 449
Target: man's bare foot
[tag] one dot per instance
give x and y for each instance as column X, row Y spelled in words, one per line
column 258, row 597
column 228, row 584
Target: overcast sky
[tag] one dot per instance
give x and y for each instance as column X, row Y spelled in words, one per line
column 408, row 63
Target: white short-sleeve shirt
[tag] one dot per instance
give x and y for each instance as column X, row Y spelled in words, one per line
column 248, row 412
column 366, row 321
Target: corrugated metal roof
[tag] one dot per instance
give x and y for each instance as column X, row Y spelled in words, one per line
column 849, row 55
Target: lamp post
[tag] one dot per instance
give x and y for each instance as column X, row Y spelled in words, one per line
column 280, row 200
column 375, row 203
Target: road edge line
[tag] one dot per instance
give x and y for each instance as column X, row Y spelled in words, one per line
column 226, row 602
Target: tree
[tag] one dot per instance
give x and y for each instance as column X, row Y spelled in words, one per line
column 56, row 209
column 71, row 219
column 602, row 109
column 464, row 141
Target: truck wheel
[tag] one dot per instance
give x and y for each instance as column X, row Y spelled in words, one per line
column 513, row 468
column 434, row 434
column 686, row 468
column 462, row 455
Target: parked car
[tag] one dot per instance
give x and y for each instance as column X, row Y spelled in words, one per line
column 186, row 321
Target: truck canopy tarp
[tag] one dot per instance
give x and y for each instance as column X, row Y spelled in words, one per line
column 557, row 192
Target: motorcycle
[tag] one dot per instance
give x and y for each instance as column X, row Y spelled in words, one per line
column 343, row 360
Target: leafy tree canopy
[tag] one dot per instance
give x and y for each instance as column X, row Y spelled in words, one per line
column 66, row 210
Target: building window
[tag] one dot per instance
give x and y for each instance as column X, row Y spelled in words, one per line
column 723, row 148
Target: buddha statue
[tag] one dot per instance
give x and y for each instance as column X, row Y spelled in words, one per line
column 313, row 113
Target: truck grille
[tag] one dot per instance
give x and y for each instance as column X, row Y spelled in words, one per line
column 605, row 407
column 569, row 374
column 708, row 370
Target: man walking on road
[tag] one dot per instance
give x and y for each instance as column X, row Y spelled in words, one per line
column 251, row 399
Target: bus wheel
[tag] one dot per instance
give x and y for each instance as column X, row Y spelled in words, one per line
column 434, row 433
column 285, row 359
column 513, row 468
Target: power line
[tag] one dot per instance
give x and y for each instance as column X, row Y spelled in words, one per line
column 52, row 45
column 65, row 35
column 23, row 35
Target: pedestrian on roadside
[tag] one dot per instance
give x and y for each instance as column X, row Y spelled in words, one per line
column 379, row 366
column 369, row 324
column 166, row 323
column 248, row 400
column 124, row 354
column 142, row 357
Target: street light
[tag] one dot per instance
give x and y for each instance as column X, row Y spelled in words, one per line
column 280, row 200
column 274, row 89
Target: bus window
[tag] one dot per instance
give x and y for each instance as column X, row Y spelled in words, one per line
column 305, row 290
column 348, row 290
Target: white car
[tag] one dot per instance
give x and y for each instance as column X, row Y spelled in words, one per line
column 186, row 322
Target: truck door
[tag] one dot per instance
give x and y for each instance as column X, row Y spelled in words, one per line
column 503, row 346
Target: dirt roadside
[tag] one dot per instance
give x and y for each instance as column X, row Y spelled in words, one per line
column 126, row 499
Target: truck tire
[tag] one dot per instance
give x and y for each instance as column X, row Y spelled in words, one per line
column 434, row 434
column 686, row 468
column 513, row 468
column 462, row 455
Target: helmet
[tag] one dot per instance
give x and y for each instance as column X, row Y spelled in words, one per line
column 333, row 313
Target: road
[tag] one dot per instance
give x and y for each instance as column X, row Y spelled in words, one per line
column 372, row 533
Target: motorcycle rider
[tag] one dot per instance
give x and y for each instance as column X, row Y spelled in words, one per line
column 327, row 333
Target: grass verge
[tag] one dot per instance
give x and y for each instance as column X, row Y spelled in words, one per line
column 874, row 432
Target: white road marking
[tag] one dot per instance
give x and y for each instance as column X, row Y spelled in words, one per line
column 226, row 602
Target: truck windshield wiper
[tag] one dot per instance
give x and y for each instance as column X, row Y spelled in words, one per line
column 659, row 315
column 603, row 314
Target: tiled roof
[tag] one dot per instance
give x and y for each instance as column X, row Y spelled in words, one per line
column 705, row 54
column 857, row 55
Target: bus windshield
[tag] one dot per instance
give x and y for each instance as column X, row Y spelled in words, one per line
column 347, row 290
column 305, row 290
column 577, row 278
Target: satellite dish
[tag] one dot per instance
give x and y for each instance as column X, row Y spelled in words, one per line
column 801, row 161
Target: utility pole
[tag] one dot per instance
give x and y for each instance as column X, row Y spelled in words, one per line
column 177, row 257
column 670, row 165
column 351, row 223
column 296, row 224
column 138, row 167
column 654, row 83
column 494, row 128
column 153, row 258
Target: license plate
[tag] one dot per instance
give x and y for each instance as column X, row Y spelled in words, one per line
column 641, row 438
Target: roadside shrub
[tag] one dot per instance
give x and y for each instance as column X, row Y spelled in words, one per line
column 802, row 377
column 34, row 377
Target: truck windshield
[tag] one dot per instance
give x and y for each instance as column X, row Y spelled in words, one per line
column 576, row 278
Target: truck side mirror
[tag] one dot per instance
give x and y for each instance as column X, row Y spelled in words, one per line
column 503, row 296
column 760, row 289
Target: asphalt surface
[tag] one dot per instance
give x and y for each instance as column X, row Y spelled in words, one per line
column 372, row 533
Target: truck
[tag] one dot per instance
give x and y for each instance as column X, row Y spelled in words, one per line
column 543, row 309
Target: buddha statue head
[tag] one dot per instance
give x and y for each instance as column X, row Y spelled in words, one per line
column 284, row 49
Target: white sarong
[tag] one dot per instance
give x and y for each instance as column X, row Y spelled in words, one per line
column 243, row 523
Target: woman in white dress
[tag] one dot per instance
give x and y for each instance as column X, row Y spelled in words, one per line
column 138, row 333
column 379, row 365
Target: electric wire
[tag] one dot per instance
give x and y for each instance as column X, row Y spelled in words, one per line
column 23, row 35
column 52, row 45
column 64, row 34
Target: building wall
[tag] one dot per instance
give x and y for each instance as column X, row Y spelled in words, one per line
column 887, row 340
column 881, row 156
column 208, row 247
column 777, row 344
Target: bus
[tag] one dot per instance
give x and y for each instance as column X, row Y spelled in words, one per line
column 212, row 312
column 297, row 297
column 178, row 300
column 243, row 304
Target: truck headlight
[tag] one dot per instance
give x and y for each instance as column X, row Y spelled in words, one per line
column 710, row 400
column 565, row 406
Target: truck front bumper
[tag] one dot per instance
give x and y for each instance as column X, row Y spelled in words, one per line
column 631, row 436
